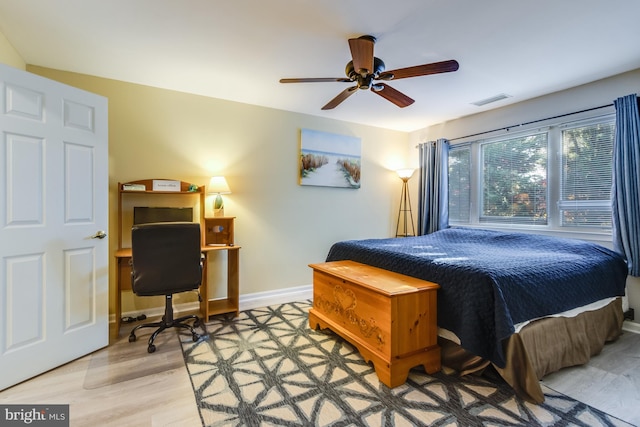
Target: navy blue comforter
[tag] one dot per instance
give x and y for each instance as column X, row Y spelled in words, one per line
column 491, row 280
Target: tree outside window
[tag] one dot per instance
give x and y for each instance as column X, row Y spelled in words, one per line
column 514, row 177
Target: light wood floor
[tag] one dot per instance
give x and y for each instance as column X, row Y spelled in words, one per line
column 123, row 385
column 609, row 382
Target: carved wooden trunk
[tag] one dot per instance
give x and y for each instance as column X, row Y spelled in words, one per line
column 389, row 317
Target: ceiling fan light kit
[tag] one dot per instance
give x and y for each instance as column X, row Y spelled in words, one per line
column 365, row 70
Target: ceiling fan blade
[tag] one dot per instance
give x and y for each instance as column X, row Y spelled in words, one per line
column 341, row 97
column 391, row 94
column 422, row 70
column 362, row 54
column 317, row 80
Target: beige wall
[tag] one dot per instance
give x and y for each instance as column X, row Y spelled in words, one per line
column 281, row 226
column 602, row 92
column 9, row 56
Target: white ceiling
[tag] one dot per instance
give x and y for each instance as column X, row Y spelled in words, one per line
column 239, row 49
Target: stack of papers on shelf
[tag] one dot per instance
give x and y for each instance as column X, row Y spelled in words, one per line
column 134, row 187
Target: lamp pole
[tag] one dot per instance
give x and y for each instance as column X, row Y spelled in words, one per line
column 404, row 211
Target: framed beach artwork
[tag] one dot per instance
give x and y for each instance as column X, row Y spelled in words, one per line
column 329, row 160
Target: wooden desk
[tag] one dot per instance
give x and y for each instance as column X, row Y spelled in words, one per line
column 208, row 307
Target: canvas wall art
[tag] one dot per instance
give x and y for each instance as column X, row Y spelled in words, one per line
column 329, row 160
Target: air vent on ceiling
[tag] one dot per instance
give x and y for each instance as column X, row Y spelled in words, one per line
column 495, row 98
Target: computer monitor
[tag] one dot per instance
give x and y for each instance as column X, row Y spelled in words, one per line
column 145, row 215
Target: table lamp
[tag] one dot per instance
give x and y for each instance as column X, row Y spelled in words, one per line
column 218, row 186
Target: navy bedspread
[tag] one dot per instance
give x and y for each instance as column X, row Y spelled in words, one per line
column 491, row 280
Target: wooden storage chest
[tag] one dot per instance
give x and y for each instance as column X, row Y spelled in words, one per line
column 389, row 317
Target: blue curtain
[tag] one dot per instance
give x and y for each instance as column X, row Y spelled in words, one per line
column 625, row 192
column 433, row 188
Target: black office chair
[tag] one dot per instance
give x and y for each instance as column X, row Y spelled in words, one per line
column 166, row 259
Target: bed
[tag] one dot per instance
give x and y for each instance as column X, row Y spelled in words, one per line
column 501, row 294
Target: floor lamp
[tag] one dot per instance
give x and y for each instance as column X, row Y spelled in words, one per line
column 404, row 212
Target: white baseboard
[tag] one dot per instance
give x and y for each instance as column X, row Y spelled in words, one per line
column 281, row 296
column 631, row 327
column 247, row 302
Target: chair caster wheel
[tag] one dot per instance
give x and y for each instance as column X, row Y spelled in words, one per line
column 151, row 348
column 195, row 337
column 132, row 338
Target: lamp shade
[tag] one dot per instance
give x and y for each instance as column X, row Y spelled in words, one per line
column 218, row 185
column 405, row 173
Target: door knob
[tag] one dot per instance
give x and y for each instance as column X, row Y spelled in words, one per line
column 99, row 235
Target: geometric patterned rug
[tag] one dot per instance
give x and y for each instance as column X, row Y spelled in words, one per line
column 267, row 367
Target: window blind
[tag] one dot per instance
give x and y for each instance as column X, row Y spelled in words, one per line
column 514, row 180
column 586, row 175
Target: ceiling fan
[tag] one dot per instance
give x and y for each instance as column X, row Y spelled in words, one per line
column 365, row 70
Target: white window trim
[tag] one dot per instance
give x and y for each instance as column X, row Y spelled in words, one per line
column 554, row 172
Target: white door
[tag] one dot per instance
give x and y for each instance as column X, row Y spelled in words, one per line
column 53, row 201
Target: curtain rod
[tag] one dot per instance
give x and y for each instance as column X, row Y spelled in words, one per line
column 533, row 121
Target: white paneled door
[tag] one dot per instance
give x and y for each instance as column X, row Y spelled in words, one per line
column 53, row 221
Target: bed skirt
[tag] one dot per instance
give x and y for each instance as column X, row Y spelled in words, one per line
column 542, row 347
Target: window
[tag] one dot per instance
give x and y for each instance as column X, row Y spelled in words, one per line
column 586, row 175
column 459, row 184
column 517, row 180
column 514, row 180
